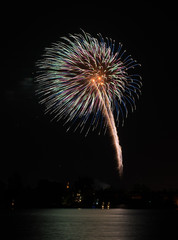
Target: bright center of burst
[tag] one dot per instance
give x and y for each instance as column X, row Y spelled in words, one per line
column 98, row 80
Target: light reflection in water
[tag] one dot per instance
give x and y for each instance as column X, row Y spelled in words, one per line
column 96, row 224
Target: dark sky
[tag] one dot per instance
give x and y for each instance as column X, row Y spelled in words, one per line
column 37, row 148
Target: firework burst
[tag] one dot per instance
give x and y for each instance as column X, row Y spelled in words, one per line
column 85, row 79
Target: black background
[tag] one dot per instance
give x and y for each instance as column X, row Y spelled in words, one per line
column 36, row 148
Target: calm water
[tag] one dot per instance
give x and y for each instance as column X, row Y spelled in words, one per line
column 90, row 224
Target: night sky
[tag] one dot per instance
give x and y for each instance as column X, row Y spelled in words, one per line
column 36, row 148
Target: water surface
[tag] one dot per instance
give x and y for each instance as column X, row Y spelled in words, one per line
column 91, row 224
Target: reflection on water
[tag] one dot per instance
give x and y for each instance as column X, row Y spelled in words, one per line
column 94, row 224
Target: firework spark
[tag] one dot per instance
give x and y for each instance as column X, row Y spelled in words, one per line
column 84, row 79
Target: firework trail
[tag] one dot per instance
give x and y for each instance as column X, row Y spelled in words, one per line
column 82, row 79
column 111, row 123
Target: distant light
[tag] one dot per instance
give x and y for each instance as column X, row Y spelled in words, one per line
column 67, row 186
column 78, row 198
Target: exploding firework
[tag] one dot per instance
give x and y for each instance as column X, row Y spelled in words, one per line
column 86, row 80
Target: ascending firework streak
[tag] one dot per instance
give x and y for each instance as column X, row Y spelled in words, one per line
column 82, row 79
column 111, row 123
